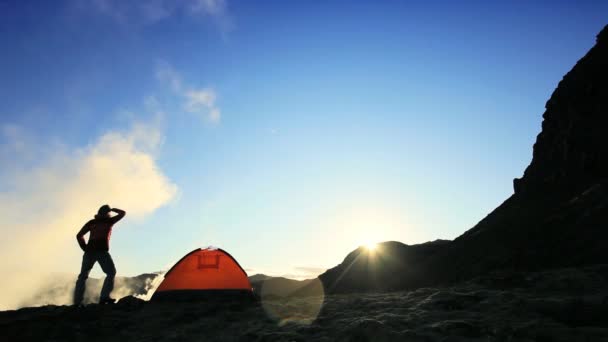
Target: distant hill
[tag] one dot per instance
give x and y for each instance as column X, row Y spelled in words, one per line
column 557, row 216
column 258, row 277
column 390, row 266
column 265, row 286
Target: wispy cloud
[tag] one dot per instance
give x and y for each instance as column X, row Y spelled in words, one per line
column 43, row 205
column 166, row 74
column 15, row 139
column 203, row 101
column 200, row 101
column 135, row 12
column 212, row 7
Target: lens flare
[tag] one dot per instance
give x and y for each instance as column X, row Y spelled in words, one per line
column 302, row 309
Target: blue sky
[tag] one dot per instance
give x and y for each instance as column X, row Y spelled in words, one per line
column 287, row 133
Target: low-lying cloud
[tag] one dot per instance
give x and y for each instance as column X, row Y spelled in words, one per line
column 44, row 203
column 57, row 289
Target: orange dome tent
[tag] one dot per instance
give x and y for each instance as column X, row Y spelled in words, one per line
column 205, row 274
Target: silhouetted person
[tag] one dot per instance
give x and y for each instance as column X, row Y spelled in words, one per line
column 96, row 250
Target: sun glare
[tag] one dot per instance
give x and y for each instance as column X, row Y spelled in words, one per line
column 371, row 246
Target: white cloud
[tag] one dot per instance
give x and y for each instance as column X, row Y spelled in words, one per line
column 200, row 101
column 43, row 206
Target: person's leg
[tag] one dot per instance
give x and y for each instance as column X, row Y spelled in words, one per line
column 87, row 264
column 107, row 265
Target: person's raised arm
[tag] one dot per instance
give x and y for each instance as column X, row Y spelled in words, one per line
column 120, row 214
column 80, row 236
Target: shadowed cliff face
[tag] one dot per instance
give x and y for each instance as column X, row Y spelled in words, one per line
column 558, row 216
column 571, row 152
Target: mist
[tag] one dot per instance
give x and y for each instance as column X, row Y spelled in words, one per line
column 57, row 289
column 48, row 193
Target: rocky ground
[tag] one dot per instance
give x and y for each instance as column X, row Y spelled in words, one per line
column 560, row 305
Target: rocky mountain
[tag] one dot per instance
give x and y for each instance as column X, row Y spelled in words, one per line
column 571, row 152
column 557, row 216
column 383, row 269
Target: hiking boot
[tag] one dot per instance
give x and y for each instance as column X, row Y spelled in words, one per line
column 107, row 300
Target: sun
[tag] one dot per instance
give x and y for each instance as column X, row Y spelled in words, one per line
column 371, row 246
